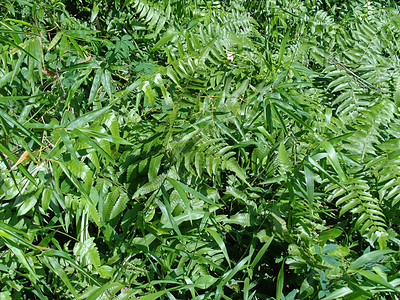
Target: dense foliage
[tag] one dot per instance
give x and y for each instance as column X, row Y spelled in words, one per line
column 199, row 149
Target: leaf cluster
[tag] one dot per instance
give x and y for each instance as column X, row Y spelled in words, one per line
column 199, row 149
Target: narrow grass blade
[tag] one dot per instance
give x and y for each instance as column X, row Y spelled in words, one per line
column 68, row 143
column 11, row 120
column 22, row 258
column 166, row 210
column 14, row 159
column 378, row 280
column 280, row 282
column 59, row 270
column 309, row 176
column 220, row 243
column 333, row 157
column 229, row 275
column 96, row 146
column 261, row 253
column 181, row 193
column 85, row 119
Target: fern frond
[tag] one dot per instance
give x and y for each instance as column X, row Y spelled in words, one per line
column 355, row 198
column 386, row 168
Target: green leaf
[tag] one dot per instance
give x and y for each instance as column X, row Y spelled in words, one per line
column 23, row 259
column 68, row 143
column 76, row 46
column 149, row 93
column 107, row 82
column 111, row 138
column 283, row 47
column 220, row 243
column 378, row 279
column 333, row 157
column 181, row 193
column 205, row 281
column 366, row 258
column 55, row 40
column 309, row 176
column 280, row 282
column 339, row 293
column 14, row 122
column 166, row 210
column 59, row 270
column 95, row 145
column 261, row 253
column 26, row 206
column 165, row 39
column 231, row 273
column 85, row 119
column 14, row 159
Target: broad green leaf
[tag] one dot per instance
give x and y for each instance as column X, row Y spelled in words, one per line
column 75, row 44
column 107, row 82
column 206, row 281
column 27, row 205
column 330, row 234
column 165, row 39
column 55, row 40
column 339, row 293
column 149, row 93
column 378, row 279
column 366, row 258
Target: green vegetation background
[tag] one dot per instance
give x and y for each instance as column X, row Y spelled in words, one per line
column 199, row 149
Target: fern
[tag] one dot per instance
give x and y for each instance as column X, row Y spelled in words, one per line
column 355, row 198
column 87, row 253
column 386, row 169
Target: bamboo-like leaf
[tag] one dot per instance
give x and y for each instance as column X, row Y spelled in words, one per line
column 261, row 253
column 280, row 282
column 220, row 243
column 14, row 159
column 55, row 40
column 68, row 143
column 166, row 210
column 149, row 93
column 107, row 82
column 58, row 269
column 95, row 145
column 366, row 258
column 111, row 138
column 22, row 258
column 333, row 156
column 181, row 192
column 378, row 280
column 165, row 39
column 11, row 120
